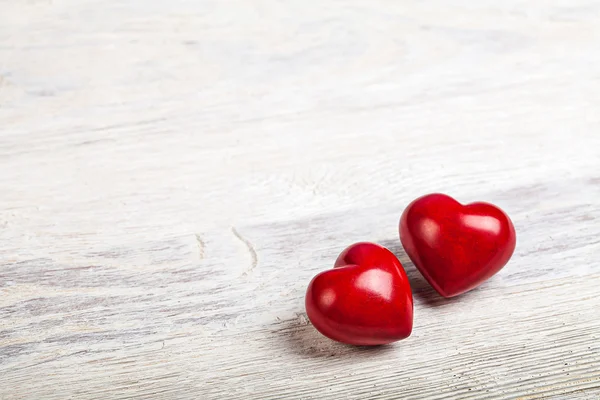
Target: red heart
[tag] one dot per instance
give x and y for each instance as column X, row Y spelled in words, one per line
column 456, row 247
column 365, row 300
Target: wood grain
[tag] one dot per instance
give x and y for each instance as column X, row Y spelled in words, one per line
column 172, row 174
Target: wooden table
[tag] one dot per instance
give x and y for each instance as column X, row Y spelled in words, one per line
column 173, row 173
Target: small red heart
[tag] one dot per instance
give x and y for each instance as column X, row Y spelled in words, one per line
column 456, row 247
column 365, row 300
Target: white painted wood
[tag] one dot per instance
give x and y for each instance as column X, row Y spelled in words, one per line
column 172, row 174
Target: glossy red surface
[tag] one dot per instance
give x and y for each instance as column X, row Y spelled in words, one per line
column 365, row 300
column 456, row 247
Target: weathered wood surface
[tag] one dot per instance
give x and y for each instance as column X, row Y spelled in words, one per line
column 172, row 174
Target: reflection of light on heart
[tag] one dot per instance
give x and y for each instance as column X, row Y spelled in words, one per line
column 327, row 298
column 377, row 282
column 482, row 222
column 430, row 230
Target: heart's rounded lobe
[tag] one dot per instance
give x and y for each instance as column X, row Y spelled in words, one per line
column 456, row 247
column 365, row 300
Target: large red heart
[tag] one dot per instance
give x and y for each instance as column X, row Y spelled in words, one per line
column 365, row 300
column 456, row 247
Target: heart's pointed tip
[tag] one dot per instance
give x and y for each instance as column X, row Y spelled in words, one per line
column 375, row 344
column 449, row 295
